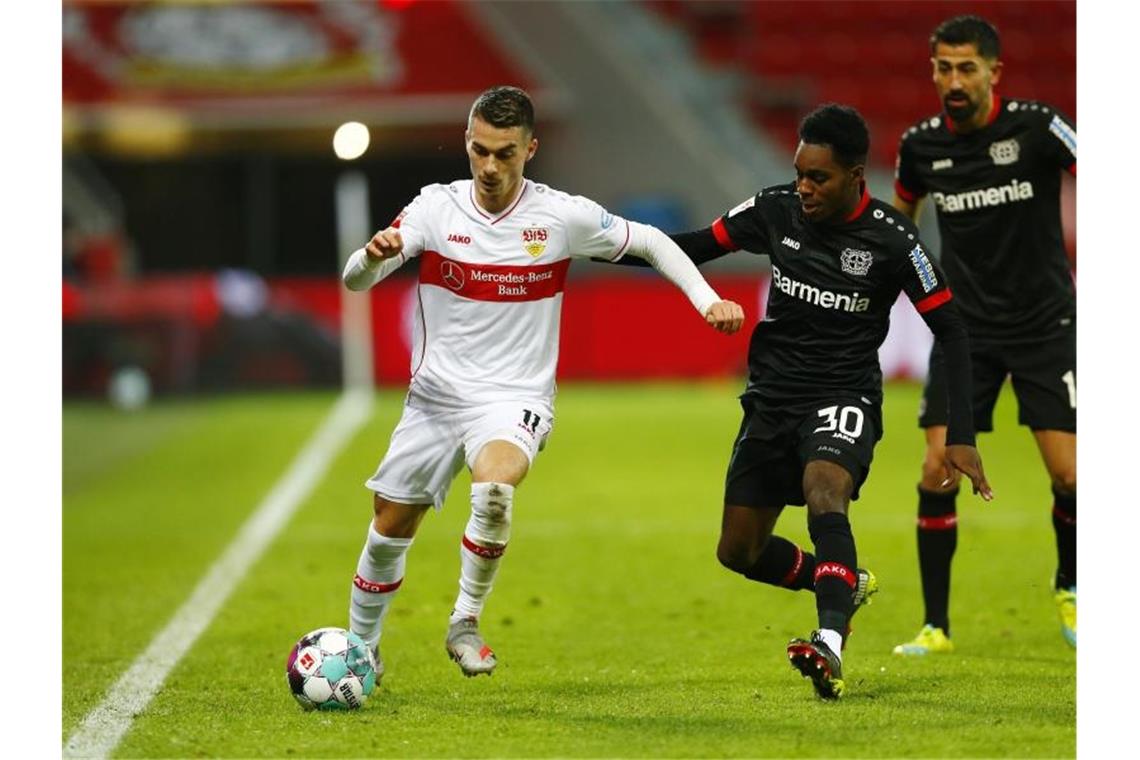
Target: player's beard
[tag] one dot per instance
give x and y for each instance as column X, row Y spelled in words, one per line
column 960, row 112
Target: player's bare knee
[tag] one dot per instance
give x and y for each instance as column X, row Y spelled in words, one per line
column 823, row 496
column 827, row 488
column 396, row 520
column 1065, row 482
column 734, row 554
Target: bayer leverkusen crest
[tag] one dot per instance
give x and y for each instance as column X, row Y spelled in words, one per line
column 856, row 262
column 534, row 240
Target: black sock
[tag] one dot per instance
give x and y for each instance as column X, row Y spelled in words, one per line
column 834, row 569
column 1065, row 526
column 782, row 563
column 937, row 539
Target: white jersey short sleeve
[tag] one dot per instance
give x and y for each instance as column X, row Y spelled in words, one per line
column 593, row 231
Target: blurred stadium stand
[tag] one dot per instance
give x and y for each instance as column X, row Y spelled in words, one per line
column 200, row 227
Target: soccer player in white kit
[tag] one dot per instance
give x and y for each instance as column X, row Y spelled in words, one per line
column 494, row 251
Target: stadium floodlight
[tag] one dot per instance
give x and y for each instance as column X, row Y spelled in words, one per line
column 350, row 140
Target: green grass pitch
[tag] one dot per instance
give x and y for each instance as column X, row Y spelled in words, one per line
column 618, row 633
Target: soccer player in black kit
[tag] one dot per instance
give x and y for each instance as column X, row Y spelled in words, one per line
column 812, row 405
column 993, row 167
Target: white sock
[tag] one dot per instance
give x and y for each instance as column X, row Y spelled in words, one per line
column 834, row 640
column 379, row 574
column 484, row 541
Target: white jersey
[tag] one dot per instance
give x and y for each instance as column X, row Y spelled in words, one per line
column 490, row 288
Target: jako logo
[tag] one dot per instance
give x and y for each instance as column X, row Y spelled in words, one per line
column 793, row 244
column 986, row 196
column 817, row 297
column 464, row 239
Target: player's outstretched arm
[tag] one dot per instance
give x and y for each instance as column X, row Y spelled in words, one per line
column 699, row 245
column 654, row 246
column 945, row 321
column 381, row 256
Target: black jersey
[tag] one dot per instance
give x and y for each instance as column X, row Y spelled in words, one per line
column 997, row 195
column 831, row 293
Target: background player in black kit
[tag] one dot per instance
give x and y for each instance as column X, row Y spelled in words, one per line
column 812, row 406
column 993, row 168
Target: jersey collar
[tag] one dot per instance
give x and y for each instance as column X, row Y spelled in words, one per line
column 863, row 201
column 989, row 119
column 505, row 213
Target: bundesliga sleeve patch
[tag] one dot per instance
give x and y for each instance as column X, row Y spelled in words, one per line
column 924, row 269
column 1064, row 133
column 741, row 207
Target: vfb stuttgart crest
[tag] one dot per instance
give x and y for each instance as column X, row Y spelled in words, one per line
column 534, row 240
column 852, row 261
column 1004, row 152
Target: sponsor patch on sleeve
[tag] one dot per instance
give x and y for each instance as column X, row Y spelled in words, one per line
column 924, row 269
column 1064, row 133
column 742, row 206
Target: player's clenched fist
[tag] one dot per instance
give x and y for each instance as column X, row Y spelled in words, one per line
column 385, row 244
column 725, row 316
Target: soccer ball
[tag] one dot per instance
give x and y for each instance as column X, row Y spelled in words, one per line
column 331, row 669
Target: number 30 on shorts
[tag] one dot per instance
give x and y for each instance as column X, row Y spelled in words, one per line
column 847, row 420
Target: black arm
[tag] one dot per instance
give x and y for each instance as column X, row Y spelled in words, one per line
column 699, row 245
column 950, row 331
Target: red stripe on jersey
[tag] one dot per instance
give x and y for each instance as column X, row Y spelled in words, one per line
column 945, row 522
column 720, row 232
column 623, row 245
column 933, row 301
column 799, row 563
column 1073, row 169
column 375, row 588
column 489, row 552
column 493, row 282
column 835, row 570
column 863, row 201
column 905, row 194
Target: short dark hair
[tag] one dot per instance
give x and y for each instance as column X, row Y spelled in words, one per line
column 842, row 129
column 504, row 107
column 966, row 30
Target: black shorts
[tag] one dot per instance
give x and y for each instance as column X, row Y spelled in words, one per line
column 1043, row 373
column 775, row 443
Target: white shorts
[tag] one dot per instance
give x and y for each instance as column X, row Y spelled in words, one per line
column 429, row 447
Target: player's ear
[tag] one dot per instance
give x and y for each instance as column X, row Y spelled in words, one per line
column 995, row 73
column 531, row 148
column 857, row 172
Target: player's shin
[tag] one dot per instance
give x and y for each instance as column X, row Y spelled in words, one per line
column 782, row 563
column 835, row 574
column 1065, row 526
column 379, row 574
column 937, row 540
column 484, row 541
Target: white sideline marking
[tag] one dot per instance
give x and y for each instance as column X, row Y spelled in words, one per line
column 105, row 726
